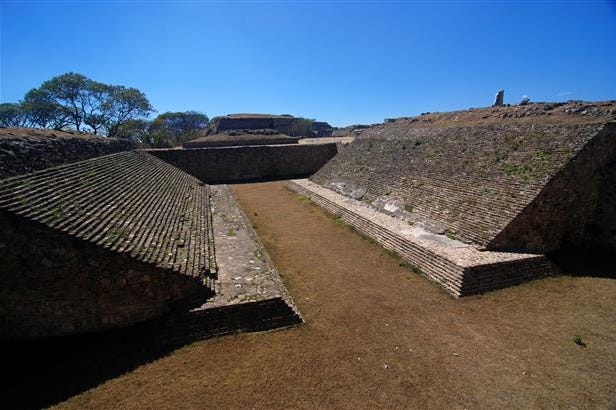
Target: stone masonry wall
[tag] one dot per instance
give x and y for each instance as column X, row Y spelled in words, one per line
column 575, row 208
column 220, row 124
column 239, row 140
column 235, row 164
column 52, row 284
column 456, row 279
column 468, row 182
column 24, row 150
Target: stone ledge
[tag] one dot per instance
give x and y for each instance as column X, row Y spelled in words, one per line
column 460, row 268
column 249, row 293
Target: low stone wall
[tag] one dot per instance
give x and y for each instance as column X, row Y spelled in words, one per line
column 24, row 150
column 237, row 164
column 239, row 141
column 52, row 284
column 461, row 271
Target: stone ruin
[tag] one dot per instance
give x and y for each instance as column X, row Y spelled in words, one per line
column 476, row 208
column 97, row 235
column 498, row 98
column 241, row 138
column 265, row 123
column 280, row 123
column 24, row 150
column 126, row 238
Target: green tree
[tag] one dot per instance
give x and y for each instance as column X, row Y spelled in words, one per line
column 92, row 103
column 41, row 110
column 175, row 128
column 69, row 91
column 12, row 115
column 123, row 104
column 135, row 130
column 73, row 100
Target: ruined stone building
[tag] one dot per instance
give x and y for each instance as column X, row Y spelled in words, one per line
column 98, row 235
column 476, row 208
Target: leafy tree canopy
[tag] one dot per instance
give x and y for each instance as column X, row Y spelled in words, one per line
column 174, row 128
column 12, row 115
column 75, row 101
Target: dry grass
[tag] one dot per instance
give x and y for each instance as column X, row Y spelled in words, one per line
column 377, row 335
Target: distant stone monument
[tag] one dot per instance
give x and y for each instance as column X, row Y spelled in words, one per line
column 525, row 100
column 498, row 100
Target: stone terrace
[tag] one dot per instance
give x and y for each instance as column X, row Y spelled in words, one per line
column 127, row 238
column 281, row 123
column 473, row 182
column 233, row 140
column 461, row 269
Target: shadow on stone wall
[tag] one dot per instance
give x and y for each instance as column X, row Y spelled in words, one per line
column 586, row 262
column 45, row 372
column 250, row 163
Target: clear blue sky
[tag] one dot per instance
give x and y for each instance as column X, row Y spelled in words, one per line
column 342, row 62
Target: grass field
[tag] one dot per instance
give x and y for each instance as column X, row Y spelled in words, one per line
column 380, row 336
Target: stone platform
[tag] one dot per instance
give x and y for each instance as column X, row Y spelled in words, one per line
column 248, row 292
column 460, row 268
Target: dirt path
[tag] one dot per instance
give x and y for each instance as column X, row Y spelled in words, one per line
column 377, row 335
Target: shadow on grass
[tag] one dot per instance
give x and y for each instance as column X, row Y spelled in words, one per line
column 584, row 262
column 45, row 372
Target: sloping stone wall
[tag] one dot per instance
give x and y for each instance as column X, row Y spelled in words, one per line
column 129, row 202
column 469, row 182
column 577, row 207
column 460, row 270
column 24, row 150
column 52, row 284
column 236, row 164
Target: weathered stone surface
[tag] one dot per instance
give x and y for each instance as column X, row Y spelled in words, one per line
column 234, row 164
column 246, row 273
column 130, row 202
column 281, row 123
column 54, row 284
column 233, row 139
column 101, row 243
column 24, row 150
column 498, row 99
column 529, row 188
column 558, row 113
column 459, row 268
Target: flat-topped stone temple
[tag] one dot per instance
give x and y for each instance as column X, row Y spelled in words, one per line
column 493, row 191
column 241, row 138
column 283, row 124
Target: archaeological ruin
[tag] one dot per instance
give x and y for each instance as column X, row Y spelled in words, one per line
column 100, row 235
column 123, row 237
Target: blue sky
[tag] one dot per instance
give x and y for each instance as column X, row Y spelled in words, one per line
column 342, row 62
